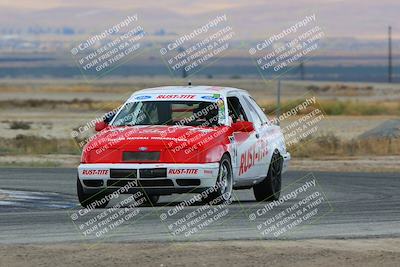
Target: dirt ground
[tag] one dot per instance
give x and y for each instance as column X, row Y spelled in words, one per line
column 358, row 252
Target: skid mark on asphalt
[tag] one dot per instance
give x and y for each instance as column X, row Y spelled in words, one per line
column 11, row 200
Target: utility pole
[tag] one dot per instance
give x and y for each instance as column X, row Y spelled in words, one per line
column 390, row 55
column 302, row 70
column 184, row 73
column 278, row 102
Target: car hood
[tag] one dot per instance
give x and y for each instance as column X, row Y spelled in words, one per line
column 152, row 137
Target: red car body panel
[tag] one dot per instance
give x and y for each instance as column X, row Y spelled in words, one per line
column 175, row 144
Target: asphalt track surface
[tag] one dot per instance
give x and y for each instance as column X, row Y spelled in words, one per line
column 37, row 205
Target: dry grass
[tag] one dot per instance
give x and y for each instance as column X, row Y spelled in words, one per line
column 33, row 145
column 254, row 84
column 360, row 108
column 341, row 89
column 264, row 91
column 72, row 105
column 338, row 108
column 330, row 145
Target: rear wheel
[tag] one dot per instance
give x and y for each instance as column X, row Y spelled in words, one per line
column 223, row 189
column 270, row 188
column 96, row 201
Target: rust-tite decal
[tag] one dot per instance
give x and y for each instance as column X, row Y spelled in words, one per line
column 254, row 154
column 176, row 96
column 95, row 172
column 183, row 171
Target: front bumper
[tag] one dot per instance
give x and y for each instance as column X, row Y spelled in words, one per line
column 155, row 178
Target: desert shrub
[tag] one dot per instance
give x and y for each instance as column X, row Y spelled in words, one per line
column 20, row 125
column 334, row 108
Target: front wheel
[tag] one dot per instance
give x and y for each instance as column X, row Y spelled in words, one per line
column 222, row 191
column 95, row 201
column 270, row 188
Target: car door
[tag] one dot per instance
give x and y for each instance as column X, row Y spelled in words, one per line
column 245, row 142
column 260, row 148
column 270, row 134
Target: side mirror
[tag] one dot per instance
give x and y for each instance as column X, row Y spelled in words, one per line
column 100, row 125
column 243, row 126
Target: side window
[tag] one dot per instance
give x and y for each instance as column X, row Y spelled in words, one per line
column 264, row 117
column 256, row 118
column 253, row 105
column 235, row 109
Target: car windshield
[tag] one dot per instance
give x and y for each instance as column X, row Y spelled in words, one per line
column 189, row 113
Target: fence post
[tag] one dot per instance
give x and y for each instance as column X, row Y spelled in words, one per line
column 278, row 101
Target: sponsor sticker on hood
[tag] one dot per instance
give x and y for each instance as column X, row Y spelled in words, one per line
column 213, row 97
column 142, row 97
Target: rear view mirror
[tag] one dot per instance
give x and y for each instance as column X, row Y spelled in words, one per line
column 100, row 125
column 243, row 126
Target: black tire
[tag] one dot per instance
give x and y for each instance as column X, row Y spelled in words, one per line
column 87, row 200
column 224, row 186
column 270, row 188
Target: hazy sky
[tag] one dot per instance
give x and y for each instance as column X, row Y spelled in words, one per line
column 339, row 18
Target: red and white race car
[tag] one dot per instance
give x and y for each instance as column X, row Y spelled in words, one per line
column 188, row 139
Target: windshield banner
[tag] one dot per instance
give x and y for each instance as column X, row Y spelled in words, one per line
column 195, row 97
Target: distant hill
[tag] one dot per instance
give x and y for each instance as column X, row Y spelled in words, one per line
column 251, row 19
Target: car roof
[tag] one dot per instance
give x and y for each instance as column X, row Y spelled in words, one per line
column 198, row 89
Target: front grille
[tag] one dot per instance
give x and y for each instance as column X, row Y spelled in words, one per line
column 123, row 173
column 153, row 173
column 141, row 183
column 93, row 183
column 140, row 156
column 158, row 182
column 188, row 182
